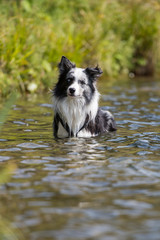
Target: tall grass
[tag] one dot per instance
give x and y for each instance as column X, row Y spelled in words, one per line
column 120, row 35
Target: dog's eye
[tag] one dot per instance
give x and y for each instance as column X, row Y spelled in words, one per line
column 69, row 80
column 82, row 82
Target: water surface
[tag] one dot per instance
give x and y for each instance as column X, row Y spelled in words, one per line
column 105, row 188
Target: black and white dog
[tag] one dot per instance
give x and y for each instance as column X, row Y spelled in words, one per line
column 75, row 99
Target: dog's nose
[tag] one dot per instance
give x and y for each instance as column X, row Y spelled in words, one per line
column 72, row 90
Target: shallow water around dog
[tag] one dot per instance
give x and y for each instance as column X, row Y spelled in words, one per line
column 105, row 188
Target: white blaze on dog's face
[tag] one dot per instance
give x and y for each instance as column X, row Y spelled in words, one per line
column 77, row 82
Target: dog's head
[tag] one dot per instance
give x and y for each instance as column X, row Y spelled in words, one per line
column 76, row 82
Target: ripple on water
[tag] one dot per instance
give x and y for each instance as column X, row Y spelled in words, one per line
column 32, row 145
column 133, row 204
column 3, row 140
column 4, row 158
column 143, row 153
column 19, row 123
column 14, row 149
column 141, row 143
column 46, row 105
column 33, row 161
column 57, row 159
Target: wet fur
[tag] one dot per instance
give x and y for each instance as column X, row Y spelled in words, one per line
column 75, row 99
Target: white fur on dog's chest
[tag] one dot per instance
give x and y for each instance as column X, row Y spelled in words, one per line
column 71, row 112
column 74, row 111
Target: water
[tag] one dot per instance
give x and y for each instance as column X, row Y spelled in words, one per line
column 102, row 188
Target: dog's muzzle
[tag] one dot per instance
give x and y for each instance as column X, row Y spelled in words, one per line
column 71, row 91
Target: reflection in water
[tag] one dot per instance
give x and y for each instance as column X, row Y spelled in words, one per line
column 84, row 150
column 105, row 187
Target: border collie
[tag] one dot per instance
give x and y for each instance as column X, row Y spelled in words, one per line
column 75, row 96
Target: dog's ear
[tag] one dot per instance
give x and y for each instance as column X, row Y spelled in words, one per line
column 94, row 73
column 65, row 65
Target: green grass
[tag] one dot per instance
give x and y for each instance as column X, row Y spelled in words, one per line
column 121, row 36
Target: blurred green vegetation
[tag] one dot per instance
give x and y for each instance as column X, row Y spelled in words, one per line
column 7, row 230
column 120, row 35
column 5, row 109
